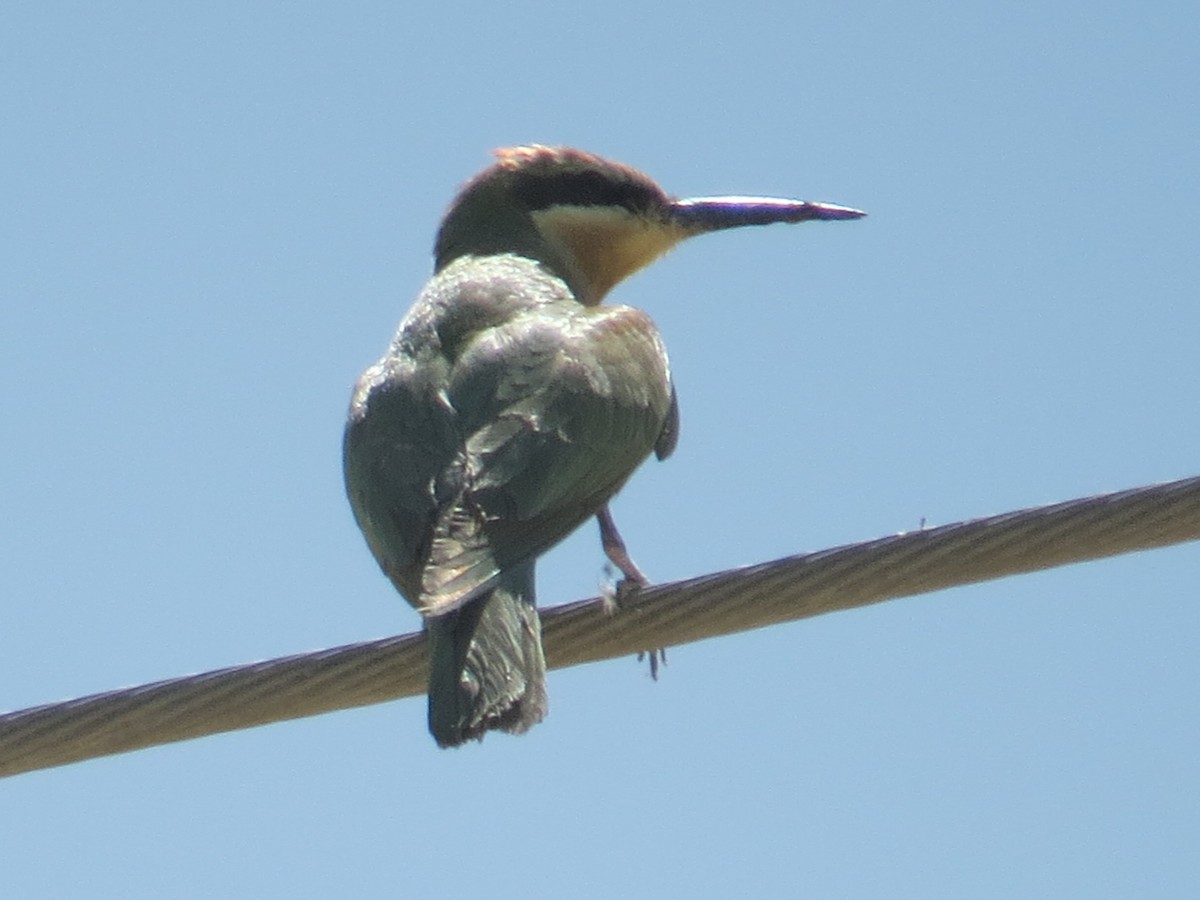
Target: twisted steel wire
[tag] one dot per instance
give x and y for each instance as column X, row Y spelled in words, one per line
column 794, row 587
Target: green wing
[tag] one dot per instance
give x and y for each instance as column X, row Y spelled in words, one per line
column 557, row 408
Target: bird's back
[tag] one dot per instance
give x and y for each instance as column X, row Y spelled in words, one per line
column 503, row 416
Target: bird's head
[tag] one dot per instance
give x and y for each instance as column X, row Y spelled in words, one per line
column 591, row 221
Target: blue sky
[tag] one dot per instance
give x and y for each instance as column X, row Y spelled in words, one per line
column 213, row 218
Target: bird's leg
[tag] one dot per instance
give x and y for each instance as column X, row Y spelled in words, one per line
column 633, row 579
column 614, row 549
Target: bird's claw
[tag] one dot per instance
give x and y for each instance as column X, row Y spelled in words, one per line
column 615, row 594
column 658, row 655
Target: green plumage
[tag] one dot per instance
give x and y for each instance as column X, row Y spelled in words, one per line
column 503, row 416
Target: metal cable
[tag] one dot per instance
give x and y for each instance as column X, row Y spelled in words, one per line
column 721, row 603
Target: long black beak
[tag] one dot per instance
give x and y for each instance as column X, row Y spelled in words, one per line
column 701, row 214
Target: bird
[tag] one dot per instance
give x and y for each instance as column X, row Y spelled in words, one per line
column 512, row 404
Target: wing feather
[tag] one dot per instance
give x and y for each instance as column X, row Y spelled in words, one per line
column 559, row 410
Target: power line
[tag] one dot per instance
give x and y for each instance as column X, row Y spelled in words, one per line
column 784, row 590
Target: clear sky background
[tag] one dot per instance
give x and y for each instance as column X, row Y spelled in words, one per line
column 212, row 217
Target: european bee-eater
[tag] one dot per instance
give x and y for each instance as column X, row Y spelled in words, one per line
column 511, row 406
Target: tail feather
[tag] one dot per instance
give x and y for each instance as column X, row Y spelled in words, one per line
column 486, row 668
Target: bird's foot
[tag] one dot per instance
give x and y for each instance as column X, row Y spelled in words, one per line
column 615, row 593
column 612, row 595
column 631, row 583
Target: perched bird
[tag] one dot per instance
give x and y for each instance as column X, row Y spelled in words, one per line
column 511, row 406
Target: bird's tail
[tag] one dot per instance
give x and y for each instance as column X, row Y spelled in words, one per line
column 486, row 669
